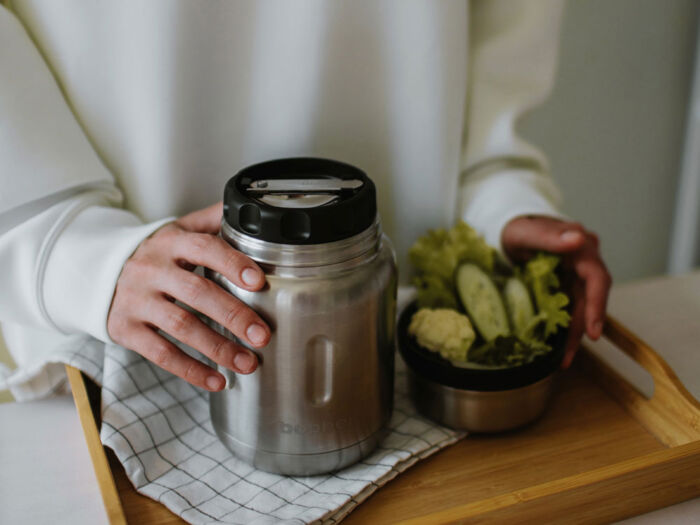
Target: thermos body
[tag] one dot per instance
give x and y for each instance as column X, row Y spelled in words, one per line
column 323, row 393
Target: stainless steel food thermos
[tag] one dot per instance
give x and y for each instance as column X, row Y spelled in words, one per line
column 322, row 394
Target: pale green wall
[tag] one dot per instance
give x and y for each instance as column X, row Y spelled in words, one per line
column 613, row 127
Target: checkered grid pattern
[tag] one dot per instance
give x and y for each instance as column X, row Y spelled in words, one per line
column 159, row 427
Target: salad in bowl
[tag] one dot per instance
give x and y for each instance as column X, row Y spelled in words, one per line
column 475, row 309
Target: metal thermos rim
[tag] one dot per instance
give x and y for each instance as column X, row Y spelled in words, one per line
column 304, row 255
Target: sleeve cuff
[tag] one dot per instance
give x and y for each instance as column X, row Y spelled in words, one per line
column 490, row 202
column 85, row 263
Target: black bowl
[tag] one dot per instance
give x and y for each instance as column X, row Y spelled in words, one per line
column 431, row 365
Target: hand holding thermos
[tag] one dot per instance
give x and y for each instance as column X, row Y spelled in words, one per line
column 159, row 271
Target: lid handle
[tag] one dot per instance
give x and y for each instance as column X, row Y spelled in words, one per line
column 269, row 186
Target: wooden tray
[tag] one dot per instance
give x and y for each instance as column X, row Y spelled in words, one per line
column 602, row 452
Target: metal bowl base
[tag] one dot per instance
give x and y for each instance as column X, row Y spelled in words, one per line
column 479, row 411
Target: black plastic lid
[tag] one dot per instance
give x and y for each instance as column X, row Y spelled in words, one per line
column 436, row 368
column 341, row 205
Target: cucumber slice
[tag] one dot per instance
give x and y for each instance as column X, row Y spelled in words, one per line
column 518, row 304
column 482, row 301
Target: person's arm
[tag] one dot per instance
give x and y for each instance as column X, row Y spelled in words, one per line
column 54, row 193
column 66, row 244
column 512, row 60
column 506, row 191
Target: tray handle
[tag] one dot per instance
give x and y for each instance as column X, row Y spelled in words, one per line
column 672, row 414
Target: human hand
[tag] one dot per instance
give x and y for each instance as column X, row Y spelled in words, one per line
column 525, row 235
column 158, row 272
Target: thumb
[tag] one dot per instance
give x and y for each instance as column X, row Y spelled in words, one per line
column 206, row 220
column 523, row 235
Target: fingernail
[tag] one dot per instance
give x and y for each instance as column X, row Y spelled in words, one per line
column 597, row 329
column 214, row 383
column 256, row 334
column 571, row 236
column 250, row 277
column 244, row 361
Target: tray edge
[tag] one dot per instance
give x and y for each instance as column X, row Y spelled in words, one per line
column 103, row 473
column 632, row 482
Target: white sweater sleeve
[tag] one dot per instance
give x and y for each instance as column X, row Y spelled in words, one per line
column 513, row 53
column 63, row 239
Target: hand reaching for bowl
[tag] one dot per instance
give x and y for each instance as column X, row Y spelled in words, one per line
column 523, row 236
column 159, row 272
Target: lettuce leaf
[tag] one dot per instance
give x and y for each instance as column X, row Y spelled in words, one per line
column 436, row 256
column 540, row 276
column 434, row 292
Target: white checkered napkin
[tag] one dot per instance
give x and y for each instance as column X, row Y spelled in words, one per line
column 159, row 427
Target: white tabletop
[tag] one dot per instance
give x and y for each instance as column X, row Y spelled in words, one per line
column 46, row 474
column 665, row 312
